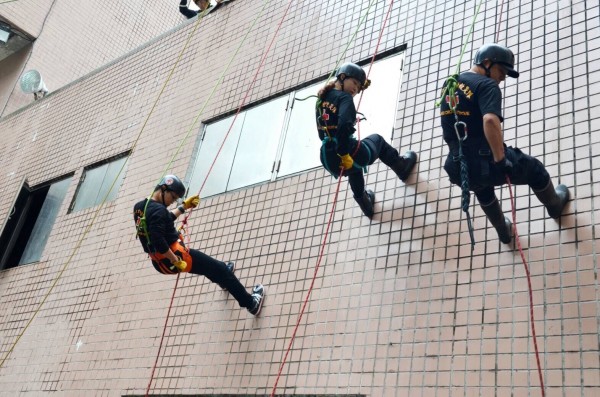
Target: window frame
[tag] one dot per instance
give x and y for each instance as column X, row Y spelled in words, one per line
column 17, row 241
column 285, row 130
column 113, row 193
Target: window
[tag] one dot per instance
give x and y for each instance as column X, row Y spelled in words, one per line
column 30, row 222
column 97, row 181
column 279, row 137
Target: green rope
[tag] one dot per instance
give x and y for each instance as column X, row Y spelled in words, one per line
column 451, row 82
column 449, row 93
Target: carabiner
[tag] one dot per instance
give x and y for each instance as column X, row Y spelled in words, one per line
column 464, row 125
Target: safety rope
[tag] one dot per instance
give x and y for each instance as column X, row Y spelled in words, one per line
column 179, row 148
column 450, row 96
column 331, row 214
column 101, row 205
column 525, row 265
column 532, row 319
column 312, row 283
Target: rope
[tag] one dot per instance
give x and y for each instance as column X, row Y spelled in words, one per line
column 332, row 212
column 466, row 193
column 312, row 283
column 243, row 101
column 533, row 334
column 525, row 265
column 163, row 335
column 385, row 21
column 499, row 22
column 179, row 148
column 95, row 215
column 449, row 94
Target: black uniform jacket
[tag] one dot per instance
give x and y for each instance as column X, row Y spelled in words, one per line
column 159, row 224
column 477, row 95
column 336, row 116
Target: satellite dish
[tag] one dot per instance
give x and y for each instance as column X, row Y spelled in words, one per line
column 32, row 83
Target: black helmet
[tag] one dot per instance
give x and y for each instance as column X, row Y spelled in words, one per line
column 172, row 183
column 497, row 54
column 350, row 69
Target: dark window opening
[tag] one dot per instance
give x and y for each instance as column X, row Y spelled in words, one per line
column 30, row 222
column 20, row 224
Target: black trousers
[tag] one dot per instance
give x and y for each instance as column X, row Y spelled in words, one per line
column 371, row 148
column 527, row 170
column 217, row 272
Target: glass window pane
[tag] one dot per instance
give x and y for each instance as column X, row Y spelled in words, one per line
column 43, row 225
column 258, row 144
column 380, row 100
column 111, row 173
column 302, row 145
column 213, row 138
column 87, row 194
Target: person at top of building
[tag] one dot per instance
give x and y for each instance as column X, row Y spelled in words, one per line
column 340, row 150
column 203, row 5
column 478, row 101
column 167, row 251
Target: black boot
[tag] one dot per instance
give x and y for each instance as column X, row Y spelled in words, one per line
column 503, row 225
column 404, row 165
column 366, row 203
column 554, row 199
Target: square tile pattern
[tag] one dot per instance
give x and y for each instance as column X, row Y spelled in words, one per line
column 400, row 307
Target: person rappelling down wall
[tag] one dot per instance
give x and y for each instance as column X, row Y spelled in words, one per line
column 168, row 253
column 472, row 118
column 336, row 117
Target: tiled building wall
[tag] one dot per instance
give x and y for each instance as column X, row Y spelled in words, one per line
column 400, row 307
column 75, row 37
column 27, row 15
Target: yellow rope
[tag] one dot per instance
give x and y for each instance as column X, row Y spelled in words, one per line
column 135, row 143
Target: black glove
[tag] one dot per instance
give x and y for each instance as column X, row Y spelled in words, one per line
column 504, row 166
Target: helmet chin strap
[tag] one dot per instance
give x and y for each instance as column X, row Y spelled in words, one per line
column 342, row 82
column 487, row 70
column 162, row 192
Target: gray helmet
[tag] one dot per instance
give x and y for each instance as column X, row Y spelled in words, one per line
column 350, row 69
column 172, row 183
column 497, row 54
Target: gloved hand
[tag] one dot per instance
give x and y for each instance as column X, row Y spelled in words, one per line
column 180, row 264
column 505, row 166
column 347, row 162
column 191, row 202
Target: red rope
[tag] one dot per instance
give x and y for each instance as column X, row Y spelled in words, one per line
column 185, row 220
column 323, row 245
column 387, row 16
column 242, row 103
column 537, row 353
column 499, row 22
column 163, row 336
column 518, row 241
